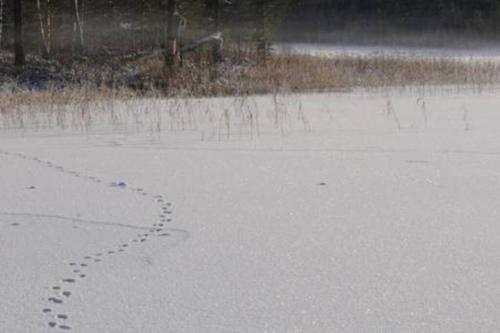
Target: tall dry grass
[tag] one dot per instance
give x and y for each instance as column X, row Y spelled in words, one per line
column 84, row 106
column 304, row 73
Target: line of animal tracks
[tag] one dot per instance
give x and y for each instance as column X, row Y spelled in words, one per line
column 61, row 290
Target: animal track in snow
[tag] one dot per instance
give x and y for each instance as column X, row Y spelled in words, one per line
column 55, row 300
column 56, row 320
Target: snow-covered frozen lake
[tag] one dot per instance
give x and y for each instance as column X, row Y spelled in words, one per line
column 491, row 54
column 344, row 212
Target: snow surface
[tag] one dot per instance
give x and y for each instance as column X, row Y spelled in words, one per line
column 346, row 212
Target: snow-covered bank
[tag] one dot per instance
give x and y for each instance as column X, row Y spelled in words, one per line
column 366, row 211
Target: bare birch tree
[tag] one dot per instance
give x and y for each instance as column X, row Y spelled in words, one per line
column 78, row 39
column 45, row 22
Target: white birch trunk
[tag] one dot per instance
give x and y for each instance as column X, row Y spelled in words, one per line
column 43, row 35
column 78, row 28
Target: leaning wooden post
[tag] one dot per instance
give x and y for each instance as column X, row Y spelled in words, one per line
column 180, row 27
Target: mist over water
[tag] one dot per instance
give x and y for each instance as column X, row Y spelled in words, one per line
column 330, row 50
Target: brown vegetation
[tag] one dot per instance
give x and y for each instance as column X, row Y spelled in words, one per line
column 92, row 93
column 242, row 74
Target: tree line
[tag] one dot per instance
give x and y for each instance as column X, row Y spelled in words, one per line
column 55, row 27
column 77, row 27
